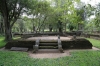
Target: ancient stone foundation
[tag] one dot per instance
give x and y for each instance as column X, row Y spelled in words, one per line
column 78, row 43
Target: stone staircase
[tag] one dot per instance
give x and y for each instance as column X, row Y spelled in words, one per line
column 48, row 45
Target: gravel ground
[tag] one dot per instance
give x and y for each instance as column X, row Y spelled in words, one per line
column 54, row 53
column 49, row 38
column 49, row 54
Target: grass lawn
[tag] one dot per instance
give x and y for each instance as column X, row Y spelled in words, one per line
column 95, row 42
column 77, row 58
column 2, row 42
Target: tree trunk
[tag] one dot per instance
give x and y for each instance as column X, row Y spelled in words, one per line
column 60, row 26
column 1, row 28
column 5, row 14
column 8, row 35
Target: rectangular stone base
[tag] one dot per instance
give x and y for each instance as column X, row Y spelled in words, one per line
column 18, row 49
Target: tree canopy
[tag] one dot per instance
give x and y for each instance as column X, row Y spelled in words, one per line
column 53, row 15
column 11, row 11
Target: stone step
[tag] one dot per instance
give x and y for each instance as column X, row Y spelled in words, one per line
column 48, row 44
column 48, row 40
column 48, row 47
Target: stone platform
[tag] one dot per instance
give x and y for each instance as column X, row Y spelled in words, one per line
column 67, row 42
column 49, row 38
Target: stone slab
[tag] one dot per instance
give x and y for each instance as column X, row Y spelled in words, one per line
column 49, row 38
column 18, row 49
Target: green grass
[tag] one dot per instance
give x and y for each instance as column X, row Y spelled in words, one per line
column 2, row 42
column 95, row 42
column 77, row 58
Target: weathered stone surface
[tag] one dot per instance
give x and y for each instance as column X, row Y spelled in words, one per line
column 18, row 49
column 36, row 46
column 60, row 46
column 20, row 43
column 78, row 43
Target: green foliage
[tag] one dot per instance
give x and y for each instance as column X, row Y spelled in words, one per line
column 89, row 10
column 97, row 18
column 47, row 13
column 89, row 26
column 11, row 11
column 41, row 13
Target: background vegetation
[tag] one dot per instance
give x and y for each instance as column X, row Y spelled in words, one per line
column 19, row 16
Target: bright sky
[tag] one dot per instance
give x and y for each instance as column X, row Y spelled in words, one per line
column 92, row 2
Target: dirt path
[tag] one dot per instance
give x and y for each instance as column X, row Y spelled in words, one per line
column 49, row 54
column 55, row 54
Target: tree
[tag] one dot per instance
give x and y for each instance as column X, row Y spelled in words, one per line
column 11, row 11
column 65, row 11
column 41, row 12
column 97, row 17
column 1, row 25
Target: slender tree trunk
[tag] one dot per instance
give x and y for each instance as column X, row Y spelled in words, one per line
column 1, row 28
column 65, row 27
column 40, row 25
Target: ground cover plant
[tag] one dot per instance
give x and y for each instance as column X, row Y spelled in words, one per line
column 77, row 58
